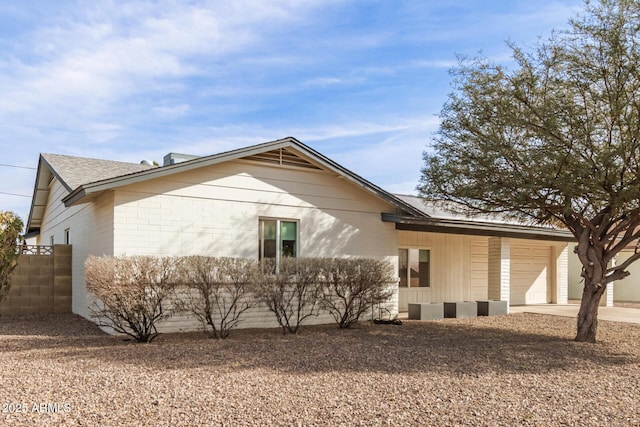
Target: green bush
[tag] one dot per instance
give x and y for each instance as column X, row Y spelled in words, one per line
column 10, row 229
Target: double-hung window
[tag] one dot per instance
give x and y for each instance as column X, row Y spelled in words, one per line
column 414, row 267
column 278, row 239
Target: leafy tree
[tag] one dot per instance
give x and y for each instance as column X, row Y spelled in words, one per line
column 10, row 229
column 554, row 140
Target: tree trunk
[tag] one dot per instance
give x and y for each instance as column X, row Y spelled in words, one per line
column 588, row 314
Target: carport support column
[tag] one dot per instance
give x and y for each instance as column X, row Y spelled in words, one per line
column 607, row 299
column 560, row 290
column 499, row 269
column 609, row 295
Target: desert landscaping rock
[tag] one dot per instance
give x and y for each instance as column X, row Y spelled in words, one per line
column 521, row 369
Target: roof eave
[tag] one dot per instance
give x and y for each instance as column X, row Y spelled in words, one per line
column 31, row 228
column 476, row 228
column 79, row 194
column 74, row 197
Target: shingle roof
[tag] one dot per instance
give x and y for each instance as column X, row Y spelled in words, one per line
column 76, row 171
column 84, row 178
column 312, row 157
column 437, row 219
column 434, row 210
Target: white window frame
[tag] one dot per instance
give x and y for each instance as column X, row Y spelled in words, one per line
column 278, row 248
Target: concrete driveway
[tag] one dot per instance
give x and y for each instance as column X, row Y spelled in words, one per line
column 616, row 314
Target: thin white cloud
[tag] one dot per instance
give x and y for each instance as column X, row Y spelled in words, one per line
column 84, row 69
column 135, row 80
column 362, row 128
column 332, row 81
column 394, row 162
column 393, row 135
column 172, row 111
column 435, row 63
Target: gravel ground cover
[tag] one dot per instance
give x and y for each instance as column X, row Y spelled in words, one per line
column 521, row 369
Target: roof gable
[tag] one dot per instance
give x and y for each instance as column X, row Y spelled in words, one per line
column 282, row 157
column 72, row 172
column 86, row 178
column 76, row 171
column 286, row 152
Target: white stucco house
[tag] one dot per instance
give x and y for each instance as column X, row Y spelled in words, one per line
column 225, row 205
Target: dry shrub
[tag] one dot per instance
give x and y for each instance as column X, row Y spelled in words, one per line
column 291, row 294
column 132, row 292
column 219, row 290
column 353, row 286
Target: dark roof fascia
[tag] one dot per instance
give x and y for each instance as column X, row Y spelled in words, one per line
column 95, row 187
column 33, row 197
column 477, row 228
column 32, row 233
column 42, row 163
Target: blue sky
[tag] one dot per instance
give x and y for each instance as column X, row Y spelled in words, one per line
column 361, row 81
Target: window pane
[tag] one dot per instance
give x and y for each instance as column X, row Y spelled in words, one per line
column 403, row 260
column 414, row 268
column 269, row 229
column 268, row 239
column 288, row 236
column 424, row 269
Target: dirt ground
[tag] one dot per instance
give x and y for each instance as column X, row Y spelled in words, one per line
column 520, row 369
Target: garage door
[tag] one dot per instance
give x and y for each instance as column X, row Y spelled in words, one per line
column 529, row 273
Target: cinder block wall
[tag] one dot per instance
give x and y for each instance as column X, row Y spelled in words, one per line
column 40, row 284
